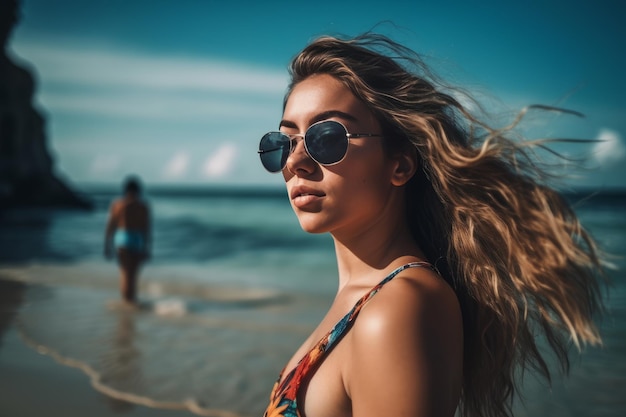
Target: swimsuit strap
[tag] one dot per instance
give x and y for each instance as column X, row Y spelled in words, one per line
column 284, row 395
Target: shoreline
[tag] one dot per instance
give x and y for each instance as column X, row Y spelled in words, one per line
column 34, row 384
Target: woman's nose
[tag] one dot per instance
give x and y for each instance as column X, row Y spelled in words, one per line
column 299, row 161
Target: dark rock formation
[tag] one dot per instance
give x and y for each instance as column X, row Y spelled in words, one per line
column 27, row 176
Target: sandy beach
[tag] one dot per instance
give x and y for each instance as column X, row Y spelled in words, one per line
column 33, row 384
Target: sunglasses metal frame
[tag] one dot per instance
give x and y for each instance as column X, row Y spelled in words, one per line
column 292, row 139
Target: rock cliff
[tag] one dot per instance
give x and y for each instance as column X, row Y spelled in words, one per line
column 27, row 175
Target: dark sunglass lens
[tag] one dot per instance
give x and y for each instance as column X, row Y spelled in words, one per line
column 274, row 151
column 327, row 142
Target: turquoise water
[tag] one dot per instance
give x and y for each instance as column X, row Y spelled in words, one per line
column 233, row 287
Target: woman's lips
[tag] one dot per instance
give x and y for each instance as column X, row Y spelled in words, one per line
column 303, row 197
column 304, row 200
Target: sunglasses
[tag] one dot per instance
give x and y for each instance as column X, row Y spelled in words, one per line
column 326, row 142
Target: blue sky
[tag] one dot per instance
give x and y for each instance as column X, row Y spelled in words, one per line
column 179, row 92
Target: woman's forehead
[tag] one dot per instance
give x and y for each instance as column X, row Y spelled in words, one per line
column 323, row 94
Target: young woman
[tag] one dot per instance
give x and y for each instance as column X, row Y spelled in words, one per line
column 452, row 253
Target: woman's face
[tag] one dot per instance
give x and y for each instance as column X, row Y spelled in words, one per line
column 353, row 194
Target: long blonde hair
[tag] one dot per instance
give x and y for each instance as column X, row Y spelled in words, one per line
column 510, row 246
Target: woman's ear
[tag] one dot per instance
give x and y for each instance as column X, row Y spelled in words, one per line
column 404, row 167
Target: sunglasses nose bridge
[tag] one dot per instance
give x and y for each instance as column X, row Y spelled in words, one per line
column 299, row 155
column 298, row 144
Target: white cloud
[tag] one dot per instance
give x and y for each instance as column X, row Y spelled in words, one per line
column 102, row 81
column 610, row 149
column 146, row 105
column 177, row 166
column 220, row 162
column 104, row 164
column 72, row 63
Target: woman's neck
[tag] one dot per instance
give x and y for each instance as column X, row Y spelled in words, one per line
column 383, row 246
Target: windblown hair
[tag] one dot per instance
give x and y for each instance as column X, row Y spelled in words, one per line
column 522, row 266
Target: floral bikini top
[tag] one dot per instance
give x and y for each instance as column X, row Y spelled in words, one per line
column 283, row 399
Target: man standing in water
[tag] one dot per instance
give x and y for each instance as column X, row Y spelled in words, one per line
column 128, row 231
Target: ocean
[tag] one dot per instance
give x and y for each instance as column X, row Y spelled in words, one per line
column 232, row 289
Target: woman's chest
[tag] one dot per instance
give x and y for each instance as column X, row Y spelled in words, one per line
column 324, row 393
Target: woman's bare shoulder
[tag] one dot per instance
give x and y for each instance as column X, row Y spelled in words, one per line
column 408, row 343
column 415, row 295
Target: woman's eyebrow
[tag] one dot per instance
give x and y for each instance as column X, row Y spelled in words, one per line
column 319, row 117
column 287, row 123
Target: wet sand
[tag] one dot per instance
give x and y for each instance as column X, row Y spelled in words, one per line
column 33, row 384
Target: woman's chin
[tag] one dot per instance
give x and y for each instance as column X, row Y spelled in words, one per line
column 312, row 227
